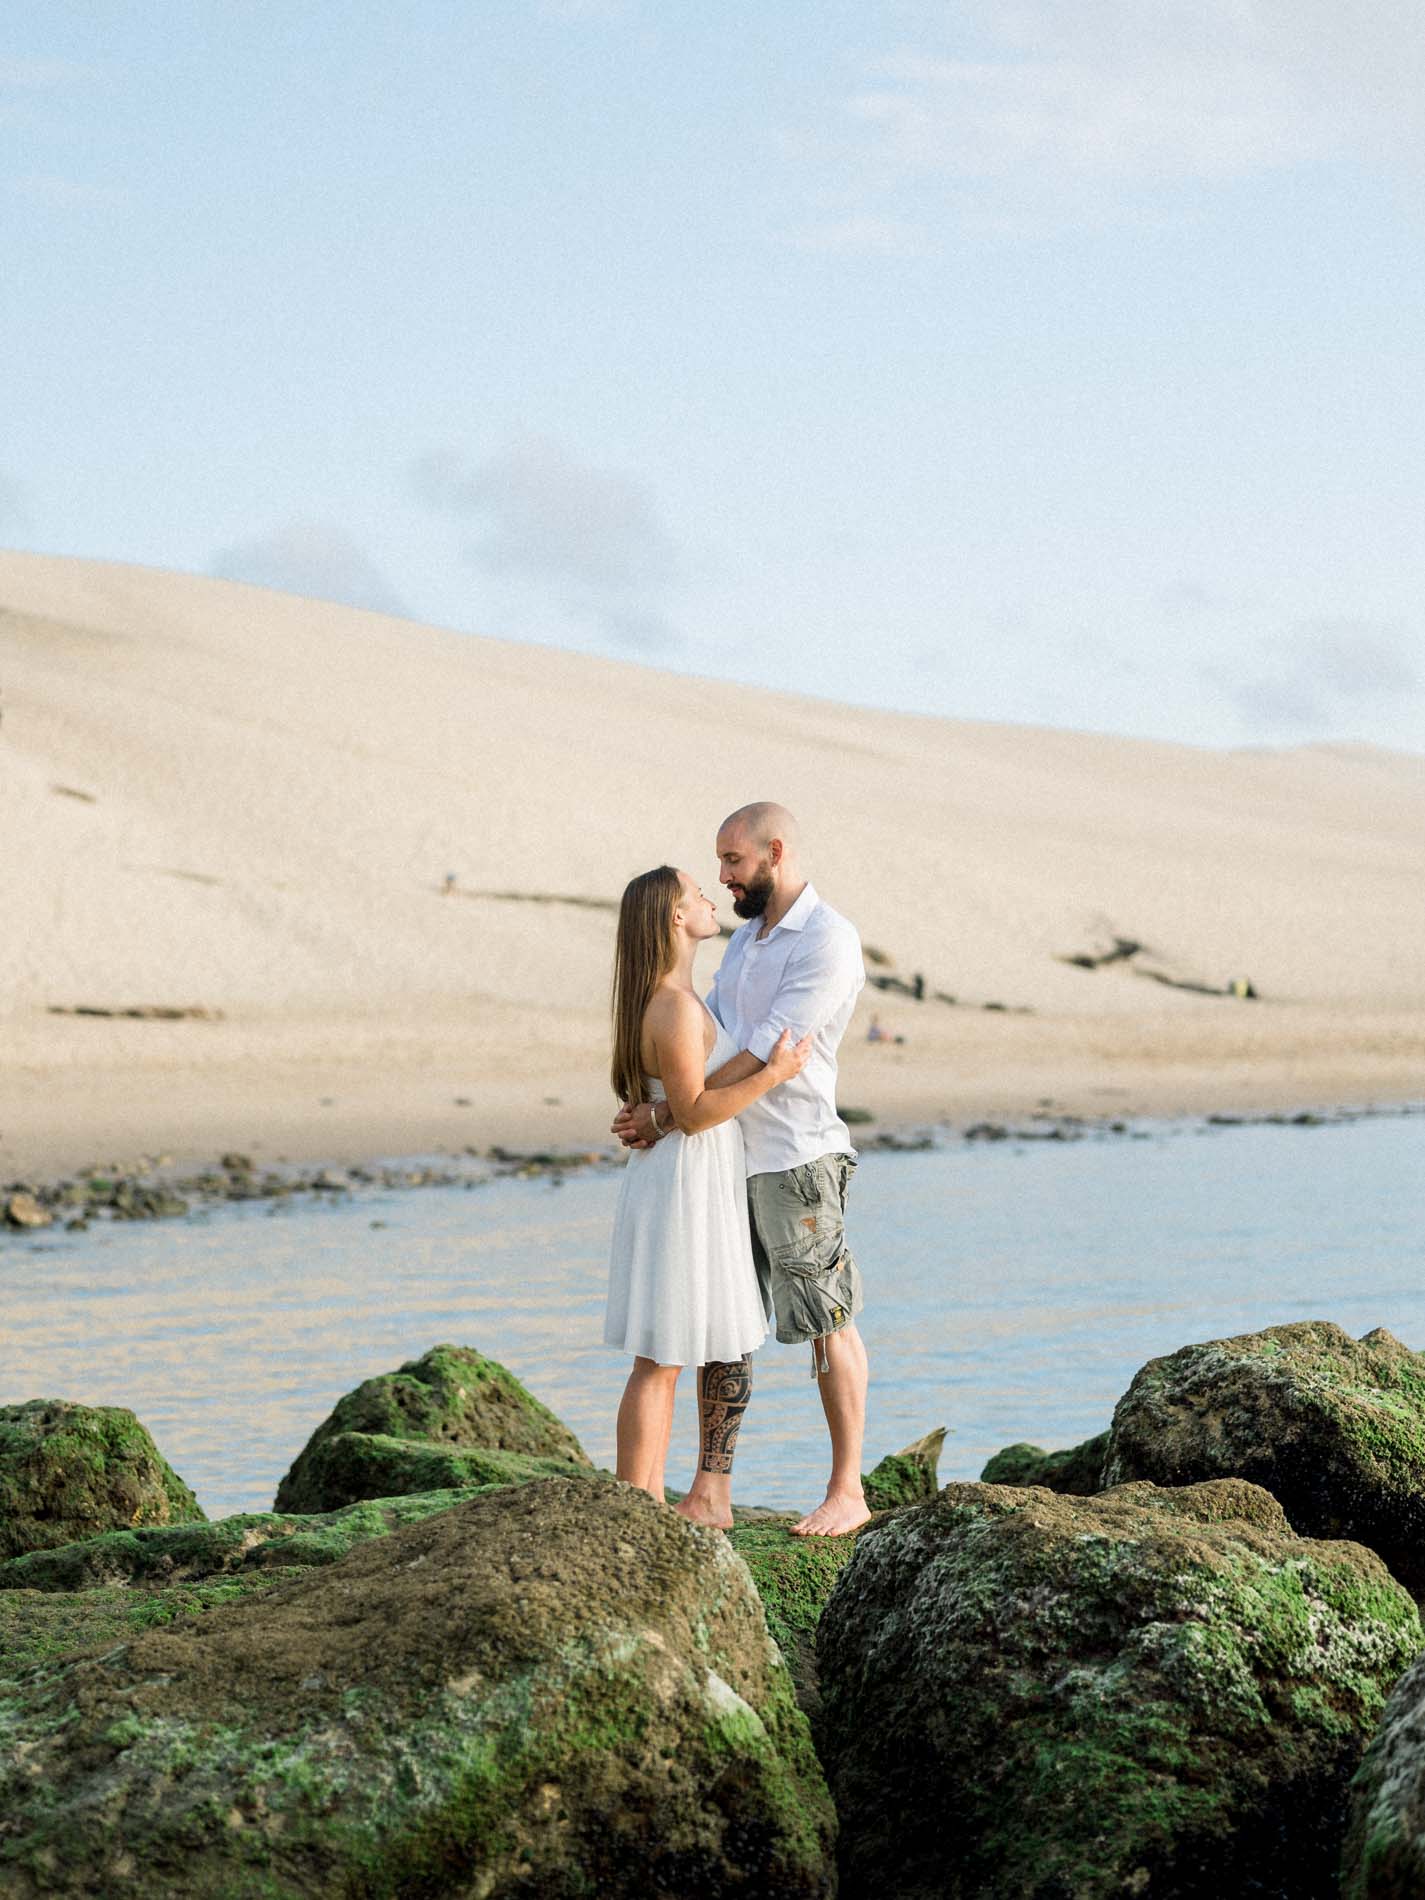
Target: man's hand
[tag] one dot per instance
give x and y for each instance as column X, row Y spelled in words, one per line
column 634, row 1126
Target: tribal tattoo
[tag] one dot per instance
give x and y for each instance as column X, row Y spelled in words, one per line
column 724, row 1389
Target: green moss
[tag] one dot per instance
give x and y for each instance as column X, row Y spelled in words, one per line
column 67, row 1471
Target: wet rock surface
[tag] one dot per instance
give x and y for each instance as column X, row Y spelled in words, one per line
column 1385, row 1843
column 1332, row 1426
column 482, row 1702
column 451, row 1398
column 72, row 1471
column 1029, row 1696
column 1076, row 1471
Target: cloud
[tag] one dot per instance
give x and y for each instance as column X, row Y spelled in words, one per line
column 1076, row 107
column 315, row 559
column 589, row 539
column 1321, row 673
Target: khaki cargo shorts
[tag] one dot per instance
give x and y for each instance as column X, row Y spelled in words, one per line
column 799, row 1247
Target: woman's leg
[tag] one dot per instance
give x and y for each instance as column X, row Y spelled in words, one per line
column 645, row 1420
column 724, row 1392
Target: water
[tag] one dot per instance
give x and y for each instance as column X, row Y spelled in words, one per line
column 1012, row 1292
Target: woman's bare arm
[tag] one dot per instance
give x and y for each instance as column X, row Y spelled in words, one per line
column 675, row 1023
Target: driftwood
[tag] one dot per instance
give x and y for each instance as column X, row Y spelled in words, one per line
column 143, row 1012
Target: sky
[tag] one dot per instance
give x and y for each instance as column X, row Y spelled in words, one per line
column 1057, row 362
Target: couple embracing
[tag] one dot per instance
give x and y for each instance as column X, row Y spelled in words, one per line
column 732, row 1207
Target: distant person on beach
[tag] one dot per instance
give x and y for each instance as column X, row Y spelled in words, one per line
column 793, row 969
column 683, row 1290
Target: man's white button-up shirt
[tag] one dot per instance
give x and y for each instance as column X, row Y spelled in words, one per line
column 804, row 975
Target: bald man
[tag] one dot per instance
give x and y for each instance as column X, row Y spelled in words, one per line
column 795, row 964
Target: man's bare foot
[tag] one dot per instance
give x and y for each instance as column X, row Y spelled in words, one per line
column 839, row 1513
column 701, row 1511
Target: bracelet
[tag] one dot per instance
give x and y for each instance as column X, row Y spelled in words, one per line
column 658, row 1133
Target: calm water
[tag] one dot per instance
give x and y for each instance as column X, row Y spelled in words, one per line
column 1013, row 1291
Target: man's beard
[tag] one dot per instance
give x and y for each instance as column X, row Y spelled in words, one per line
column 756, row 896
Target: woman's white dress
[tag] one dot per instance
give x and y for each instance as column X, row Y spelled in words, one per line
column 682, row 1287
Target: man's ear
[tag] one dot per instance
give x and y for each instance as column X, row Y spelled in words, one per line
column 774, row 851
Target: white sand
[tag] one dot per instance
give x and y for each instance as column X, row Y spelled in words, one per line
column 275, row 789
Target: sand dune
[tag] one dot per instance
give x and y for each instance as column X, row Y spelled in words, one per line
column 219, row 798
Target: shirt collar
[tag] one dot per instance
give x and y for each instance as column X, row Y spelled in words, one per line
column 796, row 918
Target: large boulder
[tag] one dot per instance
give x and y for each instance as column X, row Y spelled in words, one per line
column 70, row 1471
column 1333, row 1427
column 558, row 1689
column 1075, row 1471
column 230, row 1546
column 353, row 1466
column 1162, row 1693
column 452, row 1396
column 1385, row 1844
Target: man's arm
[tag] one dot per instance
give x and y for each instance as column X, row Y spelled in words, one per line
column 816, row 984
column 634, row 1126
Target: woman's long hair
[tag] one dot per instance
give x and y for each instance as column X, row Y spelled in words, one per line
column 643, row 954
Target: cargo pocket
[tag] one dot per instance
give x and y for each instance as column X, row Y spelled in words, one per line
column 809, row 1269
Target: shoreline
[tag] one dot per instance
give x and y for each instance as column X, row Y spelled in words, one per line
column 157, row 1187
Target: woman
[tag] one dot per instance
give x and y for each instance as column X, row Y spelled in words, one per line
column 682, row 1287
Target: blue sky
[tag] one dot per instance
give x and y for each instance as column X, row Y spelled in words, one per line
column 1056, row 361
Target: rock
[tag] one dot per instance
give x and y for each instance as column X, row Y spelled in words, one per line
column 356, row 1465
column 235, row 1163
column 189, row 1553
column 452, row 1395
column 23, row 1210
column 72, row 1471
column 906, row 1477
column 1385, row 1843
column 1331, row 1426
column 794, row 1577
column 1149, row 1692
column 1075, row 1471
column 556, row 1690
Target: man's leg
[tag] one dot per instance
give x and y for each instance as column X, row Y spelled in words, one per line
column 645, row 1418
column 724, row 1392
column 843, row 1398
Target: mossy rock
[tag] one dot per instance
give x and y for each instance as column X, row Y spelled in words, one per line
column 70, row 1471
column 906, row 1477
column 42, row 1626
column 353, row 1466
column 794, row 1577
column 251, row 1541
column 1333, row 1427
column 451, row 1396
column 1075, row 1471
column 558, row 1689
column 1385, row 1843
column 1029, row 1696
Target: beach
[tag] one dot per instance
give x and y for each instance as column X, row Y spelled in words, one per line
column 359, row 875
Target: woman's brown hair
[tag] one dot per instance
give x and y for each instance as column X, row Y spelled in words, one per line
column 643, row 953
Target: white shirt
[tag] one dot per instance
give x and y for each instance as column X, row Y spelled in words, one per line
column 804, row 975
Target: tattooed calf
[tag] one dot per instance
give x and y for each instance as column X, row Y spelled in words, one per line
column 724, row 1388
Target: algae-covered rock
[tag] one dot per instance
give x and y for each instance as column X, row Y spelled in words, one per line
column 1074, row 1471
column 1161, row 1693
column 906, row 1477
column 70, row 1471
column 188, row 1553
column 1385, row 1843
column 558, row 1689
column 794, row 1577
column 1333, row 1427
column 353, row 1466
column 452, row 1396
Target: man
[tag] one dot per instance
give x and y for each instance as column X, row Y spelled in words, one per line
column 795, row 964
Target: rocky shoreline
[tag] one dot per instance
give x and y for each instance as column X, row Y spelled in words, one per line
column 455, row 1659
column 149, row 1187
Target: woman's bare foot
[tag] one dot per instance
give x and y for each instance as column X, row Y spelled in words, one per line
column 700, row 1511
column 839, row 1513
column 709, row 1501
